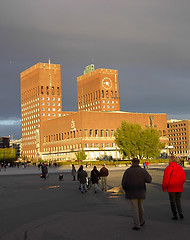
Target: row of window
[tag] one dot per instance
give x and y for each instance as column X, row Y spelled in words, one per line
column 30, row 107
column 177, row 125
column 30, row 122
column 177, row 130
column 96, row 95
column 30, row 112
column 29, row 151
column 50, row 90
column 177, row 134
column 74, row 134
column 93, row 108
column 178, row 143
column 30, row 117
column 48, row 99
column 178, row 152
column 53, row 109
column 180, row 147
column 29, row 143
column 31, row 127
column 174, row 139
column 29, row 102
column 78, row 146
column 48, row 104
column 54, row 115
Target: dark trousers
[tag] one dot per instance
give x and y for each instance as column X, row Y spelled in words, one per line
column 175, row 202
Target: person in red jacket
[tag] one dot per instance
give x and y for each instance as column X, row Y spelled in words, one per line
column 173, row 180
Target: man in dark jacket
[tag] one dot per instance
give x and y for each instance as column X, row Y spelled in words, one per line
column 133, row 183
column 82, row 175
column 103, row 174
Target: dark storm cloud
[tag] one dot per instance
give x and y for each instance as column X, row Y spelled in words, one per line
column 148, row 41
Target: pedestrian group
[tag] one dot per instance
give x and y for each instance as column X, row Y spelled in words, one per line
column 134, row 185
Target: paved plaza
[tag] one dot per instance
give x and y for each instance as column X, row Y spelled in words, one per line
column 34, row 209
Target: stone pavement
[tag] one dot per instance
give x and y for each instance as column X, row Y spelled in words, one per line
column 104, row 216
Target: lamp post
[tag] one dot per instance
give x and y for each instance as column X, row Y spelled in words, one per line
column 4, row 165
column 116, row 155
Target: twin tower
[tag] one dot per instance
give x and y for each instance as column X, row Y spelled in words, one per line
column 41, row 98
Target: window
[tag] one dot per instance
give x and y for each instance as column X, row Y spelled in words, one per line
column 96, row 132
column 112, row 133
column 107, row 133
column 101, row 133
column 91, row 132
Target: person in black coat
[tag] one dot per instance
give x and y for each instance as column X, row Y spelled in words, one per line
column 134, row 184
column 95, row 177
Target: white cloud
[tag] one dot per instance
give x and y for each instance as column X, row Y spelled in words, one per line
column 10, row 122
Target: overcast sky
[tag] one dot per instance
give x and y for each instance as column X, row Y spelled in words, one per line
column 147, row 41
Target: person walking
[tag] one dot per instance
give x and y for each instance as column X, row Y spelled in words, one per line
column 95, row 177
column 134, row 184
column 103, row 175
column 173, row 180
column 73, row 172
column 82, row 176
column 44, row 171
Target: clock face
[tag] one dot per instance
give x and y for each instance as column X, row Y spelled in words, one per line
column 106, row 83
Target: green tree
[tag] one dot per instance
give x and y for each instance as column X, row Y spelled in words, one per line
column 133, row 141
column 81, row 155
column 9, row 154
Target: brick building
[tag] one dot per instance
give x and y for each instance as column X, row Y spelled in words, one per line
column 98, row 90
column 4, row 142
column 52, row 134
column 179, row 137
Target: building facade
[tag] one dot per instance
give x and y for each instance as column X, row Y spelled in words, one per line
column 179, row 137
column 91, row 131
column 51, row 134
column 4, row 142
column 98, row 90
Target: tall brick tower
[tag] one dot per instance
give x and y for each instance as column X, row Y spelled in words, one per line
column 40, row 100
column 98, row 90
